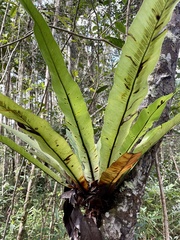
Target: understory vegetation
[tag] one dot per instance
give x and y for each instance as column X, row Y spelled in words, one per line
column 44, row 211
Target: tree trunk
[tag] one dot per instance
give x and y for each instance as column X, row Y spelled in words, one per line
column 22, row 234
column 120, row 221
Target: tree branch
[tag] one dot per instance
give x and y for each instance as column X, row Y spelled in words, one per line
column 64, row 30
column 17, row 40
column 163, row 200
column 127, row 16
column 85, row 37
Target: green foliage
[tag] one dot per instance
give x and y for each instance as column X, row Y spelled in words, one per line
column 145, row 121
column 40, row 211
column 150, row 217
column 48, row 140
column 21, row 150
column 41, row 146
column 139, row 56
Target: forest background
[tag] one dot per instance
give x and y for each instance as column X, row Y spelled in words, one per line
column 91, row 35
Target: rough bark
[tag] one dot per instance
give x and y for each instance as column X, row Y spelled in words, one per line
column 120, row 221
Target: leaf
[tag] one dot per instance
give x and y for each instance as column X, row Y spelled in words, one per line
column 140, row 53
column 116, row 41
column 144, row 122
column 78, row 225
column 40, row 127
column 44, row 153
column 112, row 175
column 154, row 135
column 89, row 229
column 120, row 26
column 68, row 93
column 125, row 1
column 13, row 11
column 24, row 153
column 101, row 89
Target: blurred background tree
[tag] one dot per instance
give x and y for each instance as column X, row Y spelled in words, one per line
column 91, row 35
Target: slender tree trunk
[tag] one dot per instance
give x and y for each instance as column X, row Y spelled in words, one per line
column 120, row 221
column 163, row 200
column 22, row 232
